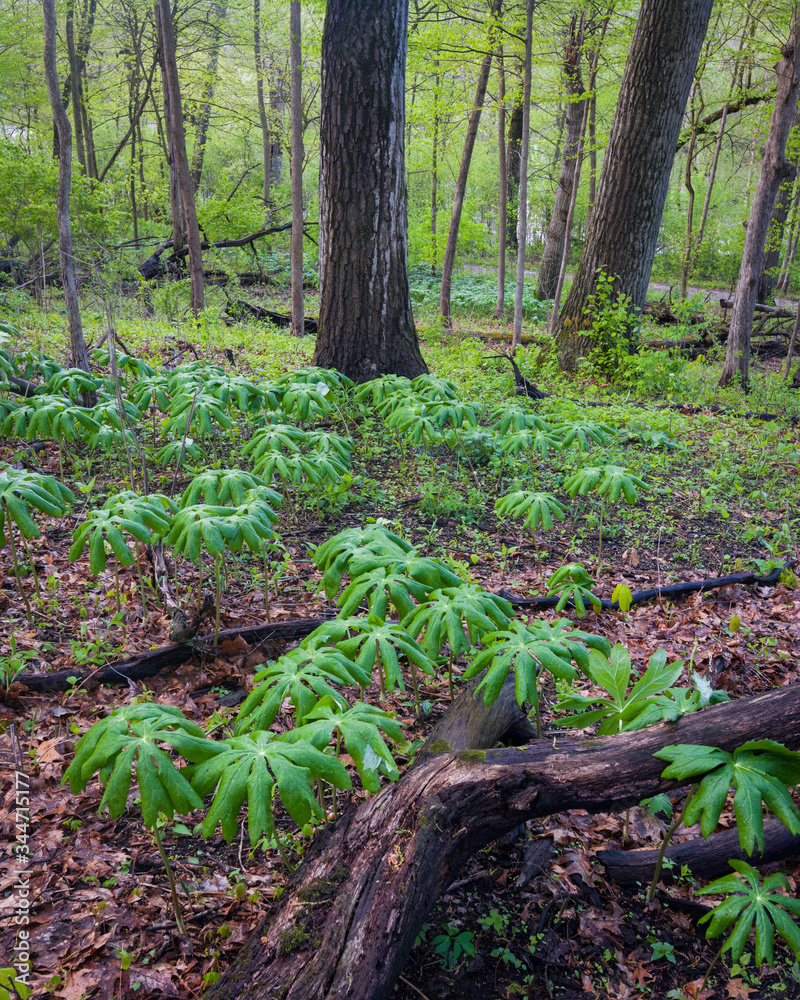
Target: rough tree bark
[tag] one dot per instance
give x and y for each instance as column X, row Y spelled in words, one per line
column 178, row 146
column 78, row 353
column 522, row 208
column 296, row 106
column 463, row 172
column 557, row 229
column 366, row 322
column 353, row 911
column 771, row 267
column 636, row 168
column 774, row 170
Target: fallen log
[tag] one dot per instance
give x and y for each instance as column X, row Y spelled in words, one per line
column 707, row 859
column 146, row 664
column 236, row 310
column 352, row 912
column 671, row 590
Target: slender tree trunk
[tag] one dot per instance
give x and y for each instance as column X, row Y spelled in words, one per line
column 75, row 85
column 461, row 183
column 178, row 143
column 770, row 270
column 435, row 172
column 175, row 203
column 79, row 356
column 366, row 322
column 296, row 104
column 791, row 244
column 556, row 231
column 774, row 170
column 201, row 136
column 522, row 214
column 687, row 181
column 502, row 174
column 512, row 172
column 266, row 138
column 636, row 168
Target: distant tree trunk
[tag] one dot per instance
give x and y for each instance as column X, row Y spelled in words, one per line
column 435, row 172
column 512, row 172
column 79, row 356
column 637, row 164
column 557, row 229
column 502, row 171
column 686, row 263
column 463, row 172
column 204, row 119
column 266, row 138
column 75, row 85
column 178, row 143
column 366, row 322
column 774, row 170
column 277, row 105
column 175, row 203
column 296, row 104
column 522, row 213
column 791, row 245
column 770, row 270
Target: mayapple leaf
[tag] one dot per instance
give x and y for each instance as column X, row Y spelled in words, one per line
column 751, row 903
column 758, row 771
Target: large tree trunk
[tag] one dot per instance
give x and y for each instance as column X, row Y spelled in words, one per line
column 557, row 230
column 522, row 209
column 463, row 173
column 774, row 170
column 772, row 256
column 79, row 356
column 350, row 918
column 366, row 322
column 178, row 145
column 296, row 105
column 636, row 168
column 204, row 119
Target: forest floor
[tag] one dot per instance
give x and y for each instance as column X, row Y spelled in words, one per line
column 724, row 497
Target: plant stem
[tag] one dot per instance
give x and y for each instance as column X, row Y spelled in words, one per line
column 665, row 843
column 266, row 582
column 219, row 595
column 171, row 879
column 17, row 576
column 32, row 564
column 285, row 860
column 708, row 970
column 141, row 587
column 416, row 688
column 450, row 677
column 116, row 585
column 381, row 678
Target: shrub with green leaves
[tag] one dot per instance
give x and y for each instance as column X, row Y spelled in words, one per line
column 50, row 418
column 359, row 728
column 528, row 649
column 219, row 486
column 254, row 766
column 371, row 642
column 129, row 738
column 19, row 491
column 303, row 675
column 333, row 557
column 621, row 711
